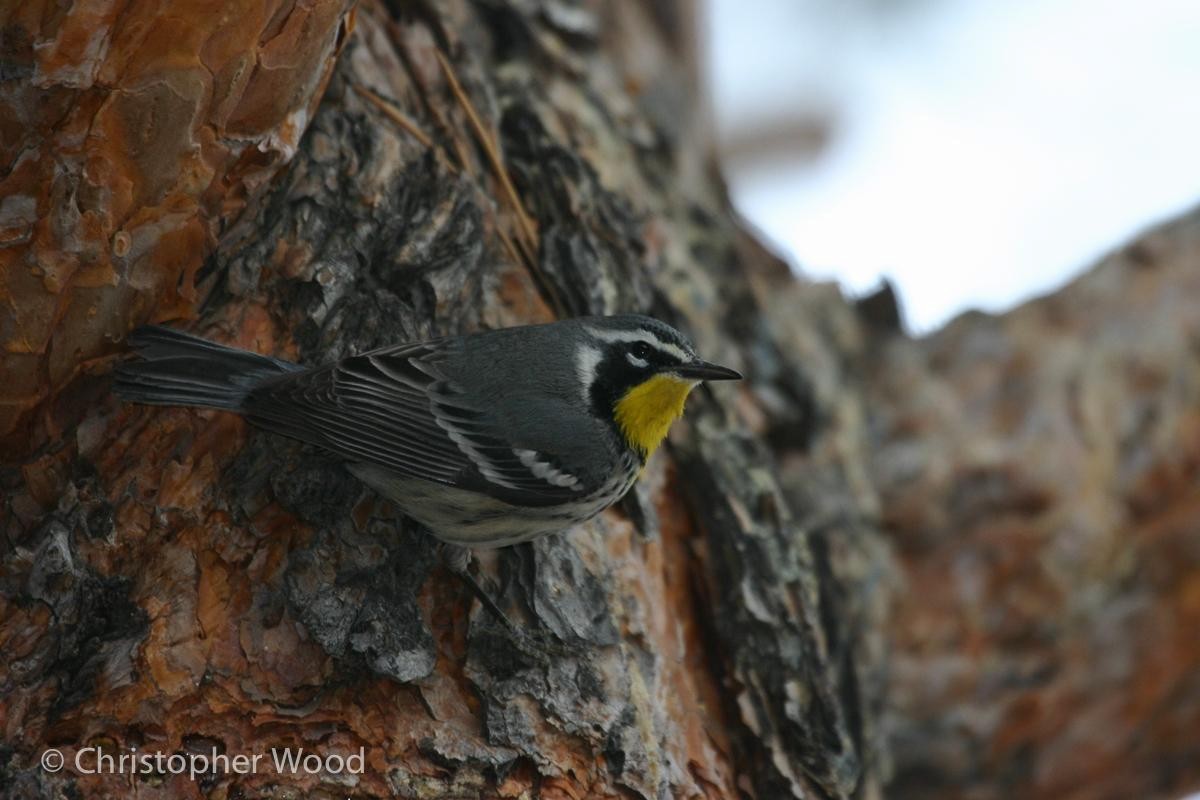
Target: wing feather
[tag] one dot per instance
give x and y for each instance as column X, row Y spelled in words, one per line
column 395, row 408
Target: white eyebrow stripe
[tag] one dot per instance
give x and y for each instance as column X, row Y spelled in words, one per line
column 641, row 336
column 624, row 336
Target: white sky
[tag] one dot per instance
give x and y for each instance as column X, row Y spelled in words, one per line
column 985, row 152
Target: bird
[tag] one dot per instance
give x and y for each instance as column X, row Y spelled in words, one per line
column 487, row 439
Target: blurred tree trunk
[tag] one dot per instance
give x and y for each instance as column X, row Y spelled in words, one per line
column 1040, row 479
column 306, row 180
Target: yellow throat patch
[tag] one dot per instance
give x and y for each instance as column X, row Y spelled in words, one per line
column 645, row 413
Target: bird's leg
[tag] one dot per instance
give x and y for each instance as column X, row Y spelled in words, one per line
column 458, row 560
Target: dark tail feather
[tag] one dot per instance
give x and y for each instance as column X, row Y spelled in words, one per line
column 176, row 369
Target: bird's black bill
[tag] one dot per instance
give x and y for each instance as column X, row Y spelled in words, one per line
column 704, row 371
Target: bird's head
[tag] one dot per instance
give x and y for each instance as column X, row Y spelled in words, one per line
column 638, row 373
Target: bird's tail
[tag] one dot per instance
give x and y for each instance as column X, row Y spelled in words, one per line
column 176, row 369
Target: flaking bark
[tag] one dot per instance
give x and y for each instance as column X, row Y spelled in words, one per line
column 175, row 581
column 1018, row 492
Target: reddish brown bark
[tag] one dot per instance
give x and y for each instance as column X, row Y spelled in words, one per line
column 1039, row 474
column 176, row 583
column 130, row 133
column 995, row 524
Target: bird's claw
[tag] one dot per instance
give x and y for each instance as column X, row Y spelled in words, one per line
column 540, row 646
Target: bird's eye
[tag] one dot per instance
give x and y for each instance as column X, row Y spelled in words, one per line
column 640, row 350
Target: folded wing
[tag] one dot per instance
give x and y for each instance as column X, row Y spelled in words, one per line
column 395, row 408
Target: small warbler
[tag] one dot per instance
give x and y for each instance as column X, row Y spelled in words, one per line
column 487, row 439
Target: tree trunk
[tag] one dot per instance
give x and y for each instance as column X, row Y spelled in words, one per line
column 305, row 180
column 1040, row 476
column 996, row 522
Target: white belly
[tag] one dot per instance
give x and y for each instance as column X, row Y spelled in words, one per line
column 475, row 520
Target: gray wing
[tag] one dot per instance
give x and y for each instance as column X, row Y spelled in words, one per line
column 397, row 409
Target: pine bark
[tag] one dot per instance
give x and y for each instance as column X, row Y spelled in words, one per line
column 1039, row 473
column 309, row 180
column 961, row 565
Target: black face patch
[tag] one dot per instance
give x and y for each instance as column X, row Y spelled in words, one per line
column 624, row 365
column 639, row 351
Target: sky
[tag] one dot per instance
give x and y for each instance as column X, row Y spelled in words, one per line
column 980, row 153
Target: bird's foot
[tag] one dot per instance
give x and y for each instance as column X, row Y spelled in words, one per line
column 541, row 646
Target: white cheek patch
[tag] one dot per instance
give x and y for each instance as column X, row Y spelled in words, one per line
column 640, row 363
column 587, row 359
